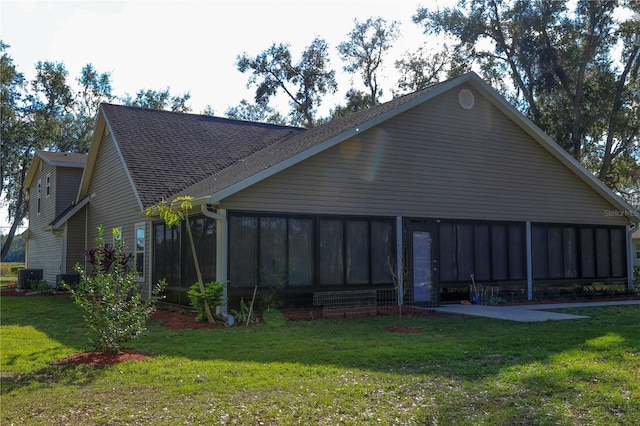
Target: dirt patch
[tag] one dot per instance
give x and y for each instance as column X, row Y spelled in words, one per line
column 102, row 358
column 176, row 318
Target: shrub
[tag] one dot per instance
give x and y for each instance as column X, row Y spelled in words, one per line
column 115, row 310
column 213, row 292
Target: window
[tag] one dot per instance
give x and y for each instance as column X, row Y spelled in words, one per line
column 637, row 251
column 47, row 190
column 577, row 251
column 172, row 259
column 39, row 197
column 489, row 251
column 309, row 250
column 139, row 248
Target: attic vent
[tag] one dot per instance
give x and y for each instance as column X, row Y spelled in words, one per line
column 466, row 99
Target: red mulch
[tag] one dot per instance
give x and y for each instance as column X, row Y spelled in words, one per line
column 102, row 358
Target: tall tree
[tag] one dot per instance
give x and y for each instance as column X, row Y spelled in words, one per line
column 47, row 114
column 159, row 99
column 364, row 51
column 304, row 83
column 559, row 66
column 424, row 67
column 95, row 88
column 255, row 112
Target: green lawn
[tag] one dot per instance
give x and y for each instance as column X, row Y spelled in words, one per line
column 464, row 371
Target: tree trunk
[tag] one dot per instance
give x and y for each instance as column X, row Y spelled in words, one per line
column 207, row 309
column 615, row 111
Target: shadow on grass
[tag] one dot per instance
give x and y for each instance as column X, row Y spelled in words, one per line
column 457, row 347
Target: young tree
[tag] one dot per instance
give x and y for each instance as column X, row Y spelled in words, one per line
column 304, row 83
column 108, row 292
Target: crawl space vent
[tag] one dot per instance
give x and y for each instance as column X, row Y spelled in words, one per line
column 466, row 99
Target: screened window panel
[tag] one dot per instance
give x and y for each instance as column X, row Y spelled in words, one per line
column 382, row 248
column 166, row 254
column 465, row 248
column 539, row 252
column 204, row 239
column 618, row 253
column 273, row 250
column 482, row 252
column 330, row 246
column 300, row 252
column 587, row 253
column 555, row 252
column 357, row 245
column 448, row 255
column 243, row 251
column 517, row 252
column 603, row 253
column 499, row 252
column 570, row 252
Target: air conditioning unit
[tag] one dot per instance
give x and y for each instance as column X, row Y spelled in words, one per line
column 71, row 279
column 27, row 276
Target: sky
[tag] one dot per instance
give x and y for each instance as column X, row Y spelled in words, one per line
column 191, row 46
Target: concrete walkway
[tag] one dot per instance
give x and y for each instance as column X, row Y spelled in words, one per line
column 527, row 313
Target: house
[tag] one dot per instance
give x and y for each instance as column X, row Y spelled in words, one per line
column 55, row 238
column 434, row 188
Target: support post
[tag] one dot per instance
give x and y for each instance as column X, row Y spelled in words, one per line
column 400, row 260
column 529, row 262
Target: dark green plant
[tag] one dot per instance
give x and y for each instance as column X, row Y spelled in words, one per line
column 115, row 310
column 41, row 286
column 213, row 294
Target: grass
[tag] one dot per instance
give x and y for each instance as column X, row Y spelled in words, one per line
column 457, row 371
column 9, row 272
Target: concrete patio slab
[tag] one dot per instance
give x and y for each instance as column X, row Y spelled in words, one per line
column 527, row 313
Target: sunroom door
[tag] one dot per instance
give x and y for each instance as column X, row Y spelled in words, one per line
column 423, row 270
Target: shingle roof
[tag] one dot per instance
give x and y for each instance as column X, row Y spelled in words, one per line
column 67, row 159
column 285, row 149
column 166, row 152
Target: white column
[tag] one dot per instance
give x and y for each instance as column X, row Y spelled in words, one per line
column 529, row 263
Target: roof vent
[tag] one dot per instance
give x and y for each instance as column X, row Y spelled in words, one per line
column 466, row 99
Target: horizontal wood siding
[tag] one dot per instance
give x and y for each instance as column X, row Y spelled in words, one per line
column 75, row 241
column 67, row 182
column 115, row 204
column 45, row 252
column 436, row 160
column 44, row 248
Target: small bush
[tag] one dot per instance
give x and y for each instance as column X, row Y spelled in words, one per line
column 115, row 311
column 213, row 292
column 41, row 286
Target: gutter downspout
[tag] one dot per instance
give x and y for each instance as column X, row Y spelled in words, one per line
column 222, row 257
